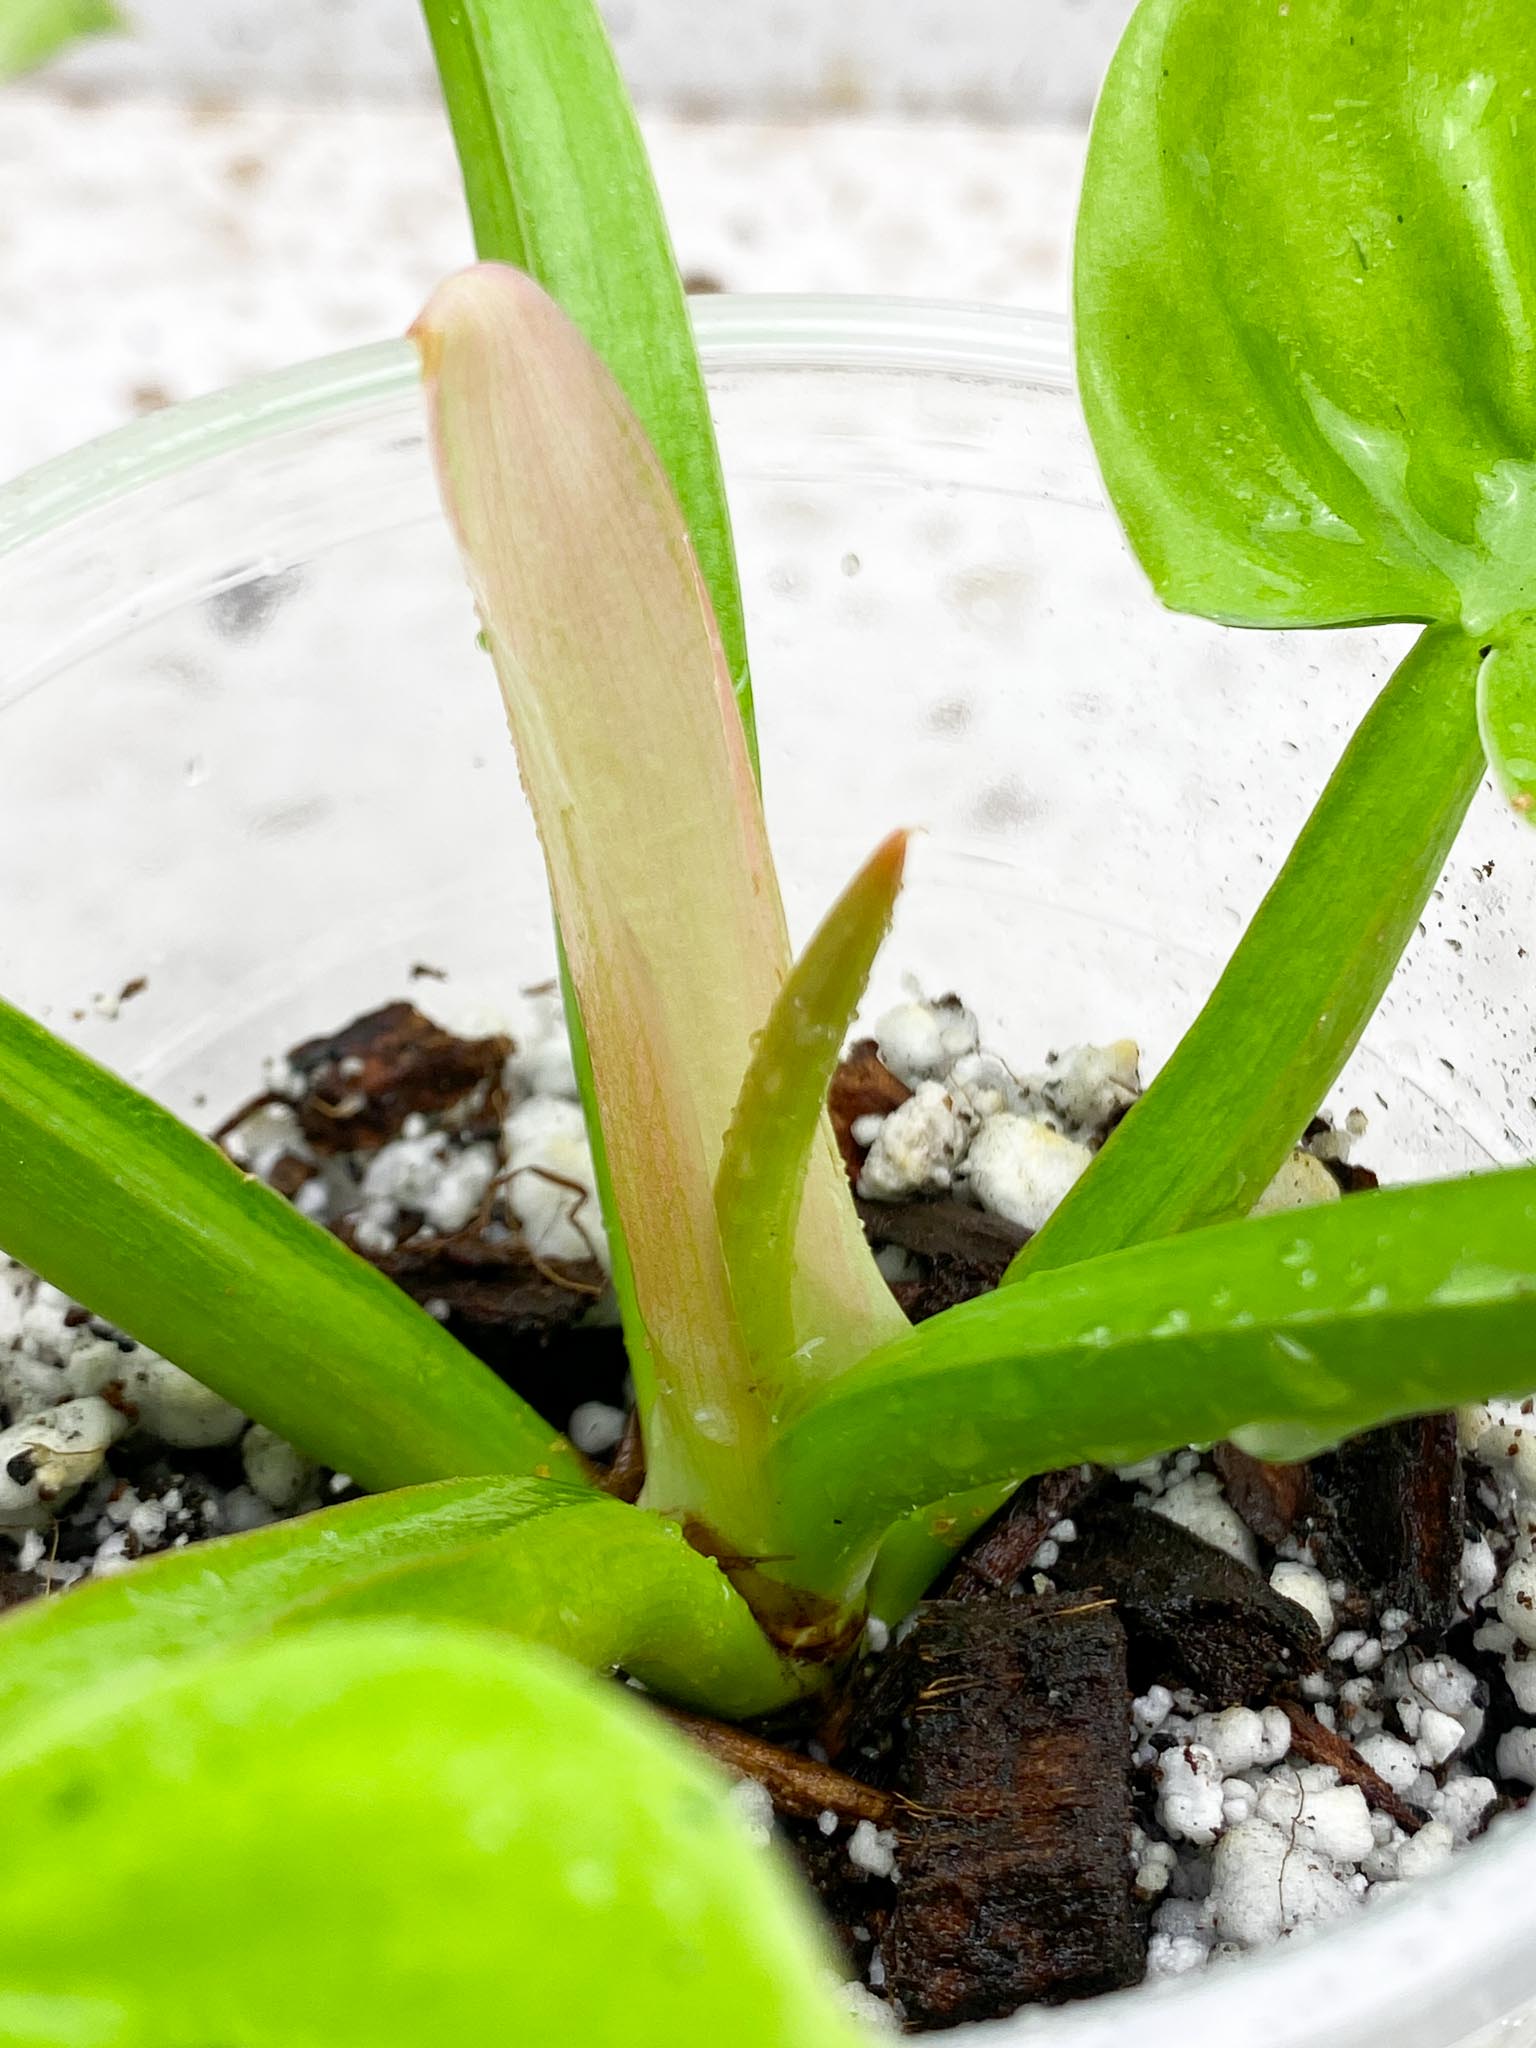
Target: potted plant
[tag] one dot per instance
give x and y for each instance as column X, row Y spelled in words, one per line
column 810, row 1458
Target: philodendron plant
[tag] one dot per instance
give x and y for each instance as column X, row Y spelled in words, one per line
column 1307, row 340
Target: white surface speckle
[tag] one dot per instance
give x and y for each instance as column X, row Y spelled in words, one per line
column 196, row 223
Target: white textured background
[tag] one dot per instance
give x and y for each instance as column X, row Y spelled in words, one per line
column 992, row 60
column 242, row 183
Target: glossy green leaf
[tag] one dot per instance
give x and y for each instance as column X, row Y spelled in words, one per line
column 1306, row 307
column 559, row 184
column 637, row 771
column 1326, row 1321
column 380, row 1835
column 564, row 1566
column 781, row 1116
column 567, row 1567
column 1506, row 714
column 113, row 1200
column 610, row 1587
column 32, row 31
column 212, row 1594
column 1208, row 1136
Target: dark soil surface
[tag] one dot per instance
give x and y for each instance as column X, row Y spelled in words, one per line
column 966, row 1801
column 990, row 1745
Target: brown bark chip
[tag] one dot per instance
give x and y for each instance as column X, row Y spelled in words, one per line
column 998, row 1555
column 1014, row 1849
column 861, row 1086
column 1193, row 1615
column 363, row 1082
column 17, row 1586
column 961, row 1252
column 1390, row 1515
column 1269, row 1498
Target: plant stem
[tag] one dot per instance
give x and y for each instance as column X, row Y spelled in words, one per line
column 1210, row 1133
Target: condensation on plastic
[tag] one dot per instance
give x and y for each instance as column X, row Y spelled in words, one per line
column 250, row 754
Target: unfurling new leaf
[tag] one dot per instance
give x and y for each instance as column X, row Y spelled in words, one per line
column 639, row 777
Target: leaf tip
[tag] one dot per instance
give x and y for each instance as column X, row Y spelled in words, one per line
column 889, row 859
column 481, row 296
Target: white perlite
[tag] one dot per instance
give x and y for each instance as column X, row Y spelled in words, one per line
column 1301, row 1182
column 595, row 1427
column 551, row 1187
column 753, row 1806
column 1516, row 1603
column 1305, row 1584
column 45, row 1459
column 917, row 1147
column 1013, row 1145
column 1020, row 1169
column 872, row 1849
column 1089, row 1086
column 918, row 1041
column 1199, row 1505
column 1264, row 1843
column 274, row 1470
column 1263, row 1885
column 169, row 1404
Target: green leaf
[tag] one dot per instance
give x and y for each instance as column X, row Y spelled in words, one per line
column 111, row 1199
column 380, row 1835
column 558, row 183
column 1306, row 307
column 212, row 1594
column 610, row 1587
column 1210, row 1133
column 781, row 1116
column 604, row 1584
column 31, row 31
column 637, row 772
column 1506, row 714
column 1326, row 1321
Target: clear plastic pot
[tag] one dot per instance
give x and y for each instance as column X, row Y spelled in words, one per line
column 251, row 758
